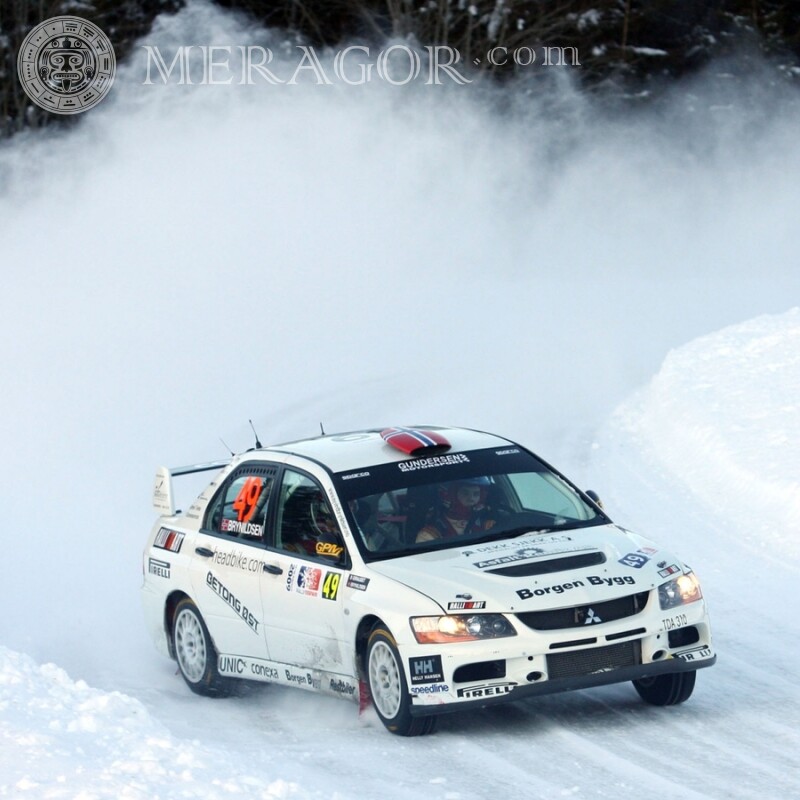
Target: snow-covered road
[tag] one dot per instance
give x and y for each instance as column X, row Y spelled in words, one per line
column 737, row 737
column 189, row 257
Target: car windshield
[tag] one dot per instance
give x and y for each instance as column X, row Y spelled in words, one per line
column 450, row 500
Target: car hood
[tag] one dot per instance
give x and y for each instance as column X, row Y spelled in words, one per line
column 536, row 571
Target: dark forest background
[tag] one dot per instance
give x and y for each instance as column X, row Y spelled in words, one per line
column 626, row 47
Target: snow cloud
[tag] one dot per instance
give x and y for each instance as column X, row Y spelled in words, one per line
column 190, row 257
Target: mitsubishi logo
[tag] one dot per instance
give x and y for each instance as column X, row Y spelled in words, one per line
column 591, row 617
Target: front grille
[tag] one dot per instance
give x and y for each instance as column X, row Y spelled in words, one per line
column 578, row 616
column 595, row 659
column 551, row 565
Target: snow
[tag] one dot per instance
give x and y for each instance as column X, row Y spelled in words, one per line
column 189, row 258
column 722, row 416
column 734, row 738
column 61, row 738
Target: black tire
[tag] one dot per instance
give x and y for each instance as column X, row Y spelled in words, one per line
column 666, row 690
column 195, row 652
column 388, row 688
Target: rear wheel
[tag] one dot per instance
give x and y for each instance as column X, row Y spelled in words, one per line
column 197, row 658
column 666, row 690
column 387, row 685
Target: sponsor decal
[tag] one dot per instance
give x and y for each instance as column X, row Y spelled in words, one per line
column 507, row 452
column 695, row 654
column 635, row 560
column 466, row 605
column 426, row 669
column 308, row 581
column 535, row 540
column 433, row 461
column 243, row 528
column 530, row 552
column 227, row 596
column 238, row 560
column 328, row 549
column 667, row 571
column 438, row 688
column 648, row 551
column 276, row 672
column 487, row 690
column 231, row 665
column 302, row 679
column 333, row 501
column 264, row 671
column 330, row 586
column 157, row 567
column 169, row 540
column 358, row 582
column 339, row 686
column 560, row 588
column 520, row 555
column 675, row 622
column 353, row 475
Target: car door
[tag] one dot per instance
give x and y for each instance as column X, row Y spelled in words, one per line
column 228, row 560
column 302, row 589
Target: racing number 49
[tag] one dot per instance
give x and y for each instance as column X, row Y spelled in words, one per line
column 330, row 587
column 245, row 503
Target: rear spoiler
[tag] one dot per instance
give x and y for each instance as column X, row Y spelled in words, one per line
column 163, row 496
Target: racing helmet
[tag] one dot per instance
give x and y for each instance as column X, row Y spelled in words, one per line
column 461, row 498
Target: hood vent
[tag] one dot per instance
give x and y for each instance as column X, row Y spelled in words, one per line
column 415, row 442
column 552, row 565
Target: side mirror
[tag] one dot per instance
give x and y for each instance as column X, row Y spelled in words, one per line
column 594, row 497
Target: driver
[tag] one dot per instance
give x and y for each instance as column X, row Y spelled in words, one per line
column 462, row 509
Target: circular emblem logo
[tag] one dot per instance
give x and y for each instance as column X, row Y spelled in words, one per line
column 66, row 65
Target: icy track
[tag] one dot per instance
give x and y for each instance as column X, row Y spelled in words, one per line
column 703, row 460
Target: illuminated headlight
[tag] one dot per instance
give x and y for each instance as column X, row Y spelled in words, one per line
column 460, row 628
column 678, row 592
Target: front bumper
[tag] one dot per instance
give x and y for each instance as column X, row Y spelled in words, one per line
column 506, row 692
column 538, row 662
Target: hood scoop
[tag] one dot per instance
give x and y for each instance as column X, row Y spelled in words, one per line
column 551, row 565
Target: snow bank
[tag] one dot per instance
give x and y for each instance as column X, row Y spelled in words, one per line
column 60, row 738
column 723, row 417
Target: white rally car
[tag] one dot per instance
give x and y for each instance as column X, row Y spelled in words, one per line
column 429, row 569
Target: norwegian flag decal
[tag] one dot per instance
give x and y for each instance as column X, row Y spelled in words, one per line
column 415, row 442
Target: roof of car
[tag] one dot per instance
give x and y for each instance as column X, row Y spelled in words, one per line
column 341, row 452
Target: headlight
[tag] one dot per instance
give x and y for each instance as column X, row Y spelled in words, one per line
column 678, row 592
column 460, row 628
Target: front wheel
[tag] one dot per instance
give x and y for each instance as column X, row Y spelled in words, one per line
column 387, row 685
column 197, row 658
column 666, row 690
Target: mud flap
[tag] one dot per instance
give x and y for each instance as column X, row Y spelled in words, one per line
column 364, row 696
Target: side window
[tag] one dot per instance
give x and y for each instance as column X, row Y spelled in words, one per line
column 305, row 523
column 240, row 509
